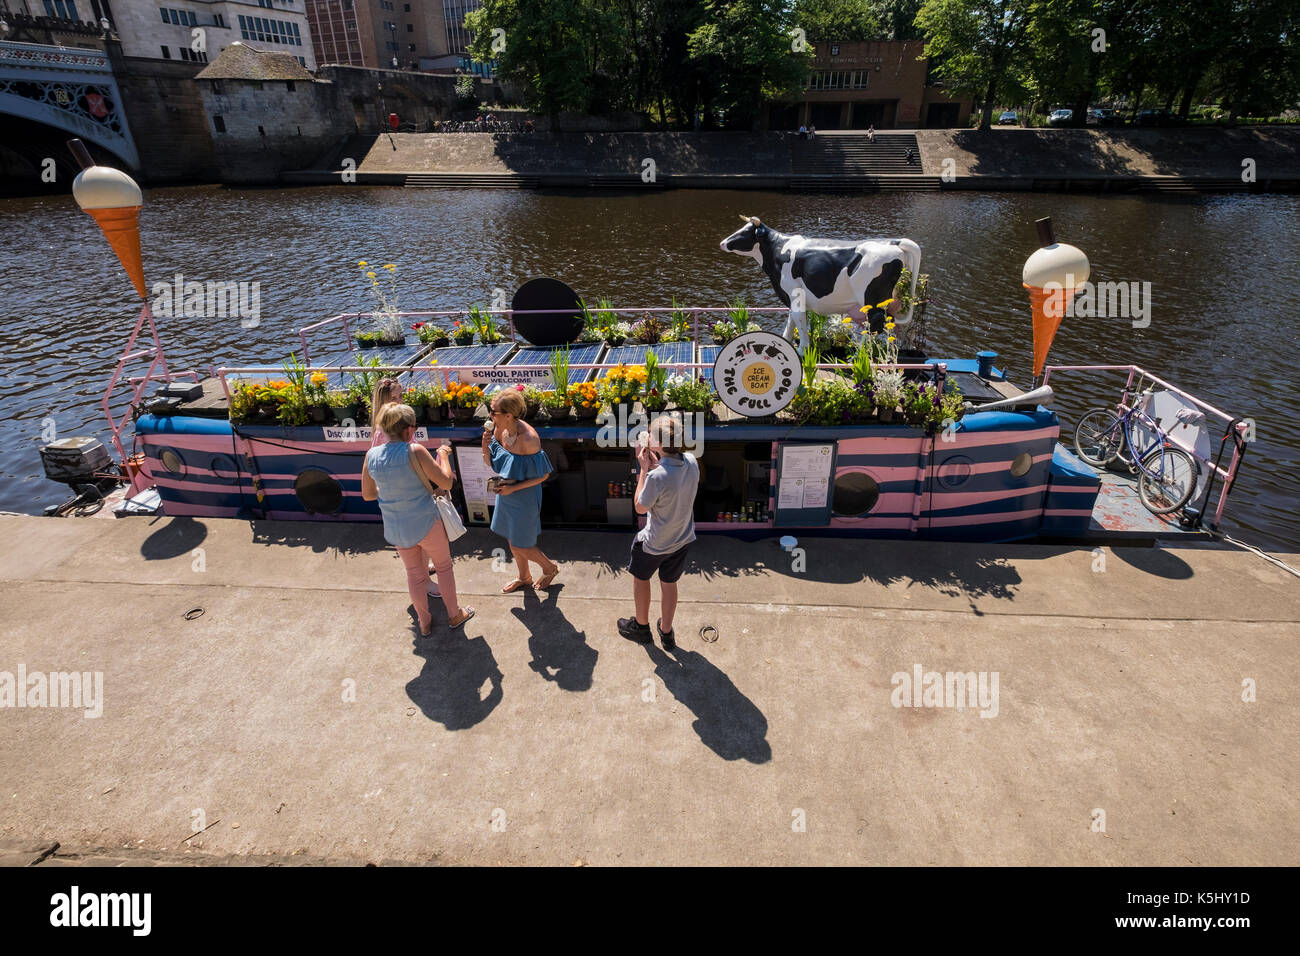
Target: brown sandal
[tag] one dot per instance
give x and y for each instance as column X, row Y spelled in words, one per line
column 518, row 584
column 465, row 614
column 545, row 581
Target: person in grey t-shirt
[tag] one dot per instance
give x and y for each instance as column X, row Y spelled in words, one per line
column 665, row 492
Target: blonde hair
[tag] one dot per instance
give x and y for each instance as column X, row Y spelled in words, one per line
column 386, row 390
column 512, row 403
column 666, row 431
column 395, row 418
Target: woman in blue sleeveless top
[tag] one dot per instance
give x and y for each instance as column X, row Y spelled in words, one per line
column 513, row 449
column 411, row 521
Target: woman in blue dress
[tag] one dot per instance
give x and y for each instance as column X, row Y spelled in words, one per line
column 513, row 449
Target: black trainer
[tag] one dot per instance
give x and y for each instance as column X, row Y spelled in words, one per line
column 669, row 642
column 629, row 628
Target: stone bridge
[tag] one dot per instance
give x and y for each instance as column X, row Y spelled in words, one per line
column 69, row 89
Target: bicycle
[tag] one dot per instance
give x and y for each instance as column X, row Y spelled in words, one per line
column 1167, row 475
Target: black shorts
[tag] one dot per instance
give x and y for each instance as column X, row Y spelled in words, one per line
column 670, row 566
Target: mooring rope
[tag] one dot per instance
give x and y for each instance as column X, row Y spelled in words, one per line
column 1254, row 550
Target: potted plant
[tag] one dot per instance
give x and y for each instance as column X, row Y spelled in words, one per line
column 317, row 402
column 888, row 388
column 591, row 332
column 532, row 400
column 585, row 399
column 690, row 394
column 616, row 334
column 417, row 396
column 838, row 335
column 462, row 334
column 654, row 394
column 342, row 405
column 649, row 331
column 388, row 318
column 464, row 401
column 556, row 404
column 431, row 334
column 368, row 340
column 621, row 385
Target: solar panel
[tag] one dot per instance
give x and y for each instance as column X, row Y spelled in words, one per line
column 582, row 353
column 481, row 356
column 405, row 354
column 668, row 353
column 708, row 355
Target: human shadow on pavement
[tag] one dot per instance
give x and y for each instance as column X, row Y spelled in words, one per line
column 449, row 688
column 728, row 722
column 560, row 651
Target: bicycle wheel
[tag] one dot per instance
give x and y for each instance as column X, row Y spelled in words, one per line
column 1098, row 437
column 1167, row 479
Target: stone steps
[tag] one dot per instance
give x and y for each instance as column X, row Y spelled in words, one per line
column 864, row 183
column 471, row 181
column 853, row 154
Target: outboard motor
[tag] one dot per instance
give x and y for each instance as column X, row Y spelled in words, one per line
column 84, row 465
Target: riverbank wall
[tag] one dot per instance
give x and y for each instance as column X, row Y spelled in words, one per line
column 999, row 159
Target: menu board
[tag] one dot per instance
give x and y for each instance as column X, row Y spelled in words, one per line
column 803, row 483
column 473, row 480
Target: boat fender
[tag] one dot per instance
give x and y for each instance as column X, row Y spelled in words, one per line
column 1039, row 396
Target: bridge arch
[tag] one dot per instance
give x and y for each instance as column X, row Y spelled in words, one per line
column 72, row 90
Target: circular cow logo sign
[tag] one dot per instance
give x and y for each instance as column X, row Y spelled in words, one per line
column 757, row 374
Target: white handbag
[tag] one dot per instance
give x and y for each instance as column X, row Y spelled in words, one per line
column 451, row 521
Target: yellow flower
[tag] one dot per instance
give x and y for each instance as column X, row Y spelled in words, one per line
column 370, row 275
column 390, row 267
column 363, row 263
column 884, row 304
column 319, row 378
column 891, row 338
column 433, row 361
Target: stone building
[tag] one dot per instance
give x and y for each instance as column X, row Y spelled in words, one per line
column 268, row 115
column 197, row 31
column 862, row 84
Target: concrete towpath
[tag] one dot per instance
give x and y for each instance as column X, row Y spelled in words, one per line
column 301, row 716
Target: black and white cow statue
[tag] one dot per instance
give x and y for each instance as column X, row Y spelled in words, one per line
column 825, row 275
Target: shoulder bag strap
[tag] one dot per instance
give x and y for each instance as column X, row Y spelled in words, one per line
column 424, row 479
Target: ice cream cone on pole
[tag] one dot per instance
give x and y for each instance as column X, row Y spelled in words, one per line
column 113, row 200
column 1051, row 275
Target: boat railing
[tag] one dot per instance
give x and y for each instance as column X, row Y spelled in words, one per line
column 1237, row 428
column 345, row 319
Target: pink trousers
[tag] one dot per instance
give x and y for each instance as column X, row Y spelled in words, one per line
column 435, row 548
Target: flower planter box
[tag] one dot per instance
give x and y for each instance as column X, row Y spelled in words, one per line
column 462, row 415
column 344, row 413
column 557, row 416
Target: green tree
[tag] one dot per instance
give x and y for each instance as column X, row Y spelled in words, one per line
column 842, row 20
column 898, row 19
column 744, row 50
column 1258, row 69
column 977, row 46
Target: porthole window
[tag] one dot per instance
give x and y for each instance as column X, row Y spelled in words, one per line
column 318, row 492
column 172, row 461
column 223, row 468
column 1021, row 465
column 855, row 494
column 954, row 471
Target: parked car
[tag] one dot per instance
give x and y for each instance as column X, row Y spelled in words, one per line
column 1105, row 116
column 1160, row 117
column 1009, row 118
column 1060, row 117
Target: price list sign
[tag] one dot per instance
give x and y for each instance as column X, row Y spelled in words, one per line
column 804, row 477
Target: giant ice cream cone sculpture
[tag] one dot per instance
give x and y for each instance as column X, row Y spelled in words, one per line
column 113, row 199
column 1051, row 275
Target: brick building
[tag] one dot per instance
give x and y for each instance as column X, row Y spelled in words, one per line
column 375, row 33
column 861, row 84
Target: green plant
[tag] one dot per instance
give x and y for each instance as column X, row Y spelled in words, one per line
column 649, row 331
column 339, row 398
column 656, row 378
column 810, row 360
column 739, row 313
column 533, row 395
column 888, row 387
column 556, row 399
column 364, row 382
column 417, row 396
column 488, row 332
column 462, row 333
column 679, row 326
column 430, row 333
column 388, row 317
column 690, row 394
column 860, row 366
column 466, row 92
column 560, row 369
column 828, row 401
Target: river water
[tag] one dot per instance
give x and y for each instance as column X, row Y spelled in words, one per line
column 1224, row 274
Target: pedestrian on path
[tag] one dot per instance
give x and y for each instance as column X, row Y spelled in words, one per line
column 513, row 449
column 665, row 492
column 871, row 133
column 398, row 474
